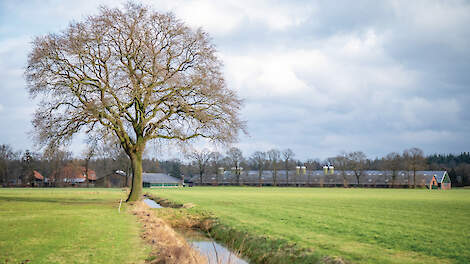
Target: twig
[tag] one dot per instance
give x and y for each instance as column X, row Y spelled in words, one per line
column 119, row 209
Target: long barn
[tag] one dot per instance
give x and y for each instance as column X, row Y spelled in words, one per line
column 318, row 178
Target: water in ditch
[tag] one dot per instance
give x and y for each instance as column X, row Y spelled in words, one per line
column 215, row 252
column 152, row 204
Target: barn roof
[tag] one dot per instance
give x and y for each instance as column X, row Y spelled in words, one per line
column 38, row 175
column 317, row 176
column 75, row 173
column 159, row 178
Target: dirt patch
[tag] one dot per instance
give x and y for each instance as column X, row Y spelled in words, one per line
column 168, row 247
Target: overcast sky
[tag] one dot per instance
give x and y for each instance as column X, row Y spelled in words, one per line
column 317, row 77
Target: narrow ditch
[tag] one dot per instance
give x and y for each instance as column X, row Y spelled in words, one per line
column 152, row 204
column 215, row 252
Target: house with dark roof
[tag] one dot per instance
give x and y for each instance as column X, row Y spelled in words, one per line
column 160, row 180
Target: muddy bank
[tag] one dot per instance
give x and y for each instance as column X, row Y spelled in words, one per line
column 168, row 247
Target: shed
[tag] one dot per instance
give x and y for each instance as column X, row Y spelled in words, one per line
column 38, row 176
column 155, row 180
column 37, row 179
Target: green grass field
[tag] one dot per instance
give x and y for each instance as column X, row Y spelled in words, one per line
column 357, row 225
column 67, row 226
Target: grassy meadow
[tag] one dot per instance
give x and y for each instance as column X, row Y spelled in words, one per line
column 356, row 225
column 67, row 226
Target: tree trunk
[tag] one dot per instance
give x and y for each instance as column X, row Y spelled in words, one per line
column 414, row 179
column 86, row 173
column 287, row 173
column 275, row 177
column 136, row 188
column 260, row 172
column 237, row 173
column 200, row 177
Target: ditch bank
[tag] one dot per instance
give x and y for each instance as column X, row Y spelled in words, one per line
column 167, row 246
column 204, row 245
column 256, row 248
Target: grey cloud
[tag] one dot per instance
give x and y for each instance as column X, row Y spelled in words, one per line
column 305, row 88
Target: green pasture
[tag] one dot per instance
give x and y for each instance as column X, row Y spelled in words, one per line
column 356, row 225
column 67, row 226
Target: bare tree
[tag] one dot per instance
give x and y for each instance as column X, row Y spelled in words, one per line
column 58, row 159
column 259, row 160
column 358, row 163
column 274, row 157
column 341, row 164
column 414, row 160
column 6, row 156
column 216, row 158
column 311, row 165
column 288, row 155
column 393, row 163
column 88, row 154
column 201, row 159
column 27, row 163
column 135, row 74
column 235, row 157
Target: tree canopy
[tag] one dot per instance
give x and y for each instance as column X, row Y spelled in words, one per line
column 135, row 74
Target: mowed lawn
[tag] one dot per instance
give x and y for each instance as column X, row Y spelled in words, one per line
column 67, row 226
column 358, row 225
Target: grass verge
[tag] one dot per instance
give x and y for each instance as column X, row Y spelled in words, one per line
column 68, row 226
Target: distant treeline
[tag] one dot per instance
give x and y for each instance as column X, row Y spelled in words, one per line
column 458, row 166
column 449, row 159
column 16, row 166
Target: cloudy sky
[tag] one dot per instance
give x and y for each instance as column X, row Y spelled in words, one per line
column 317, row 77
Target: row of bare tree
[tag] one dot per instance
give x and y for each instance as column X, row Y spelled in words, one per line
column 16, row 166
column 412, row 160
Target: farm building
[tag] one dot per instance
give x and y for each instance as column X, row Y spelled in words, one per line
column 117, row 179
column 438, row 180
column 368, row 178
column 31, row 179
column 73, row 174
column 38, row 179
column 153, row 180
